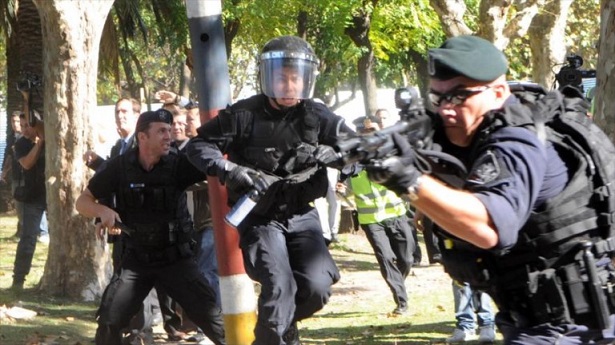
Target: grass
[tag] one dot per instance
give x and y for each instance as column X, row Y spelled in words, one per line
column 358, row 312
column 58, row 321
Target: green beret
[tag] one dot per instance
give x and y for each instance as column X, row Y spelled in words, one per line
column 160, row 115
column 469, row 56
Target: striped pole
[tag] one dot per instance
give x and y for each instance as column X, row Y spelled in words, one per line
column 211, row 71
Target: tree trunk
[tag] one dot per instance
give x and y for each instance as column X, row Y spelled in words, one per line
column 31, row 46
column 359, row 34
column 547, row 33
column 77, row 265
column 451, row 14
column 604, row 113
column 13, row 100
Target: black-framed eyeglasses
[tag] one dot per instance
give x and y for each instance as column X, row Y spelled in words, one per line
column 455, row 97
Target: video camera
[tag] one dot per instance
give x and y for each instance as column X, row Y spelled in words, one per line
column 572, row 74
column 414, row 122
column 30, row 81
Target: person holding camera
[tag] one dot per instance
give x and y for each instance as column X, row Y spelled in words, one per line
column 494, row 227
column 30, row 153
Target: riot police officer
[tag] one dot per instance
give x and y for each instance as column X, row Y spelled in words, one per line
column 272, row 140
column 145, row 191
column 494, row 228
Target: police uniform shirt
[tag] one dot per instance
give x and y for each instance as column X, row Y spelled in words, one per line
column 512, row 174
column 106, row 182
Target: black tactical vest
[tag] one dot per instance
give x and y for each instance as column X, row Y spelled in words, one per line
column 280, row 145
column 151, row 205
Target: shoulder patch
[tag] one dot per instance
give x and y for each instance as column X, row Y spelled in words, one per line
column 486, row 169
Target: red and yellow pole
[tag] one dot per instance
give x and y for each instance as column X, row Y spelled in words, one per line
column 211, row 71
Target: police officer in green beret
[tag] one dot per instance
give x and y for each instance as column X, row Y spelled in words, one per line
column 512, row 178
column 147, row 185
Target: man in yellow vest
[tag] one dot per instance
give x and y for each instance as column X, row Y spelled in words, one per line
column 382, row 215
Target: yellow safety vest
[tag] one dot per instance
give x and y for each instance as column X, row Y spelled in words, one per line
column 374, row 202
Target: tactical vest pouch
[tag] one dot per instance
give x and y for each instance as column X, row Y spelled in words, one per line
column 546, row 298
column 590, row 301
column 267, row 158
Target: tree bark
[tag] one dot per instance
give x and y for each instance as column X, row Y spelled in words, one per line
column 451, row 14
column 604, row 112
column 31, row 46
column 77, row 265
column 547, row 33
column 13, row 98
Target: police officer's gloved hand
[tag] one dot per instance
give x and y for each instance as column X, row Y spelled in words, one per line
column 236, row 177
column 397, row 173
column 326, row 155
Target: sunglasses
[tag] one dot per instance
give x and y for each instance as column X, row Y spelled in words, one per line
column 455, row 97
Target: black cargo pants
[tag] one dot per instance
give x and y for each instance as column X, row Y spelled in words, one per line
column 182, row 281
column 290, row 259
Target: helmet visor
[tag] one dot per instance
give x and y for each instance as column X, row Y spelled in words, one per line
column 288, row 74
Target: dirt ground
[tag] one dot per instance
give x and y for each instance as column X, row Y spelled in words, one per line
column 361, row 280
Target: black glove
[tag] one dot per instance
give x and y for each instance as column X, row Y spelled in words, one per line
column 326, row 155
column 397, row 173
column 236, row 177
column 242, row 179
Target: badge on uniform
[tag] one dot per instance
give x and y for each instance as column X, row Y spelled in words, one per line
column 485, row 170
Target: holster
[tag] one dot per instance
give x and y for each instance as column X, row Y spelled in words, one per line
column 566, row 294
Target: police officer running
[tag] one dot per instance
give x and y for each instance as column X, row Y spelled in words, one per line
column 512, row 177
column 272, row 141
column 148, row 186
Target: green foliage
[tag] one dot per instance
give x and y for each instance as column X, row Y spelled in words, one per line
column 583, row 30
column 156, row 34
column 397, row 29
column 153, row 35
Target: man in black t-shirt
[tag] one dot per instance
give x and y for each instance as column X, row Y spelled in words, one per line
column 30, row 153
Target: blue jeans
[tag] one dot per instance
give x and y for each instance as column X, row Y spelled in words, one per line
column 44, row 225
column 31, row 217
column 206, row 259
column 470, row 303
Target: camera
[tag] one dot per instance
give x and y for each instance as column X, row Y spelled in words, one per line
column 572, row 74
column 30, row 81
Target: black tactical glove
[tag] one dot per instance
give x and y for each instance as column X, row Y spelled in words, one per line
column 241, row 179
column 326, row 155
column 397, row 173
column 236, row 177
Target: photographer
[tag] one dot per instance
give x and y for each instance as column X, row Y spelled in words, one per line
column 30, row 153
